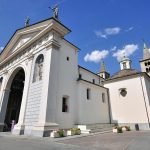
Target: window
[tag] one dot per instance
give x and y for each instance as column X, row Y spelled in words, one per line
column 124, row 66
column 103, row 97
column 123, row 92
column 80, row 76
column 65, row 104
column 67, row 58
column 148, row 63
column 88, row 93
column 38, row 69
column 145, row 63
column 94, row 81
column 147, row 70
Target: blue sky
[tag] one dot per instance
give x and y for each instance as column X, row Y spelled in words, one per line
column 102, row 29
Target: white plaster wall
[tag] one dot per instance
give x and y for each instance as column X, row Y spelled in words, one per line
column 86, row 75
column 33, row 103
column 33, row 98
column 93, row 110
column 67, row 84
column 129, row 109
column 146, row 88
column 143, row 67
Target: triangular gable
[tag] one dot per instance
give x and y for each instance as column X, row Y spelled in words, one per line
column 26, row 36
column 22, row 40
column 21, row 37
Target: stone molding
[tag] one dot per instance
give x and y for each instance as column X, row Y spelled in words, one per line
column 34, row 47
column 52, row 44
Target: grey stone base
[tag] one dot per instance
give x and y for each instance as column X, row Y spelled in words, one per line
column 18, row 129
column 38, row 133
column 17, row 132
column 136, row 126
column 1, row 127
column 40, row 130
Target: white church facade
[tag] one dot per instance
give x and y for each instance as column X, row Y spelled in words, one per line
column 42, row 87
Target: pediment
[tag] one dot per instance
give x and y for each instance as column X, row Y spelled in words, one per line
column 22, row 40
column 24, row 37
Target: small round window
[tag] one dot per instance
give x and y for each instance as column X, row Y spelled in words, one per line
column 123, row 92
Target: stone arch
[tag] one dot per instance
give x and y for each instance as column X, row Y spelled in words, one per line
column 12, row 99
column 12, row 74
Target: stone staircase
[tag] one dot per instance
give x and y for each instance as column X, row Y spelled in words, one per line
column 95, row 128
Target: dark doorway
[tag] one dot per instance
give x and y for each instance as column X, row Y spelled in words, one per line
column 15, row 99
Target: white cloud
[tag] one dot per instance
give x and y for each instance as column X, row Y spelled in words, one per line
column 128, row 50
column 100, row 34
column 129, row 29
column 113, row 49
column 112, row 31
column 1, row 48
column 108, row 32
column 96, row 56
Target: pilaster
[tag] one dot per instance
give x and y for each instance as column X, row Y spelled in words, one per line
column 5, row 96
column 20, row 126
column 43, row 127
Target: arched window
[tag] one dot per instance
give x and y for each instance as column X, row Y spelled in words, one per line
column 38, row 69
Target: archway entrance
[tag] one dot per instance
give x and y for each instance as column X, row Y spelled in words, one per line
column 15, row 99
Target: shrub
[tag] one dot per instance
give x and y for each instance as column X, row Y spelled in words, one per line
column 76, row 131
column 119, row 129
column 127, row 128
column 115, row 127
column 61, row 132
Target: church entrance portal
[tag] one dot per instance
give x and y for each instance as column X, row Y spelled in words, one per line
column 15, row 99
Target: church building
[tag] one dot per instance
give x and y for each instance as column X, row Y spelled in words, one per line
column 43, row 88
column 129, row 92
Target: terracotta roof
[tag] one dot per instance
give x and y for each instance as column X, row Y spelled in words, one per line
column 122, row 73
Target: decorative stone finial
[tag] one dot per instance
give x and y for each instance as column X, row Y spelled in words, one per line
column 55, row 10
column 27, row 22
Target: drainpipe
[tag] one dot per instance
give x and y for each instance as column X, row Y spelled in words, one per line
column 109, row 108
column 145, row 101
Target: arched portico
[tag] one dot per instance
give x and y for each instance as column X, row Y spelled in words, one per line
column 12, row 98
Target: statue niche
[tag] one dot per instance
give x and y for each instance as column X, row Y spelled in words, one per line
column 38, row 69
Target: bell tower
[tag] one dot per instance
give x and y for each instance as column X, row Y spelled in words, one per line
column 103, row 73
column 125, row 63
column 145, row 61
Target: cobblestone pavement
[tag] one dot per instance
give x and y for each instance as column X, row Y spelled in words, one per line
column 112, row 141
column 108, row 141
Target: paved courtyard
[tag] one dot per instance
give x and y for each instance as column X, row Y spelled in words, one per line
column 108, row 141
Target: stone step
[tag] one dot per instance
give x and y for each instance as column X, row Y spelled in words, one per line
column 93, row 128
column 99, row 126
column 100, row 130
